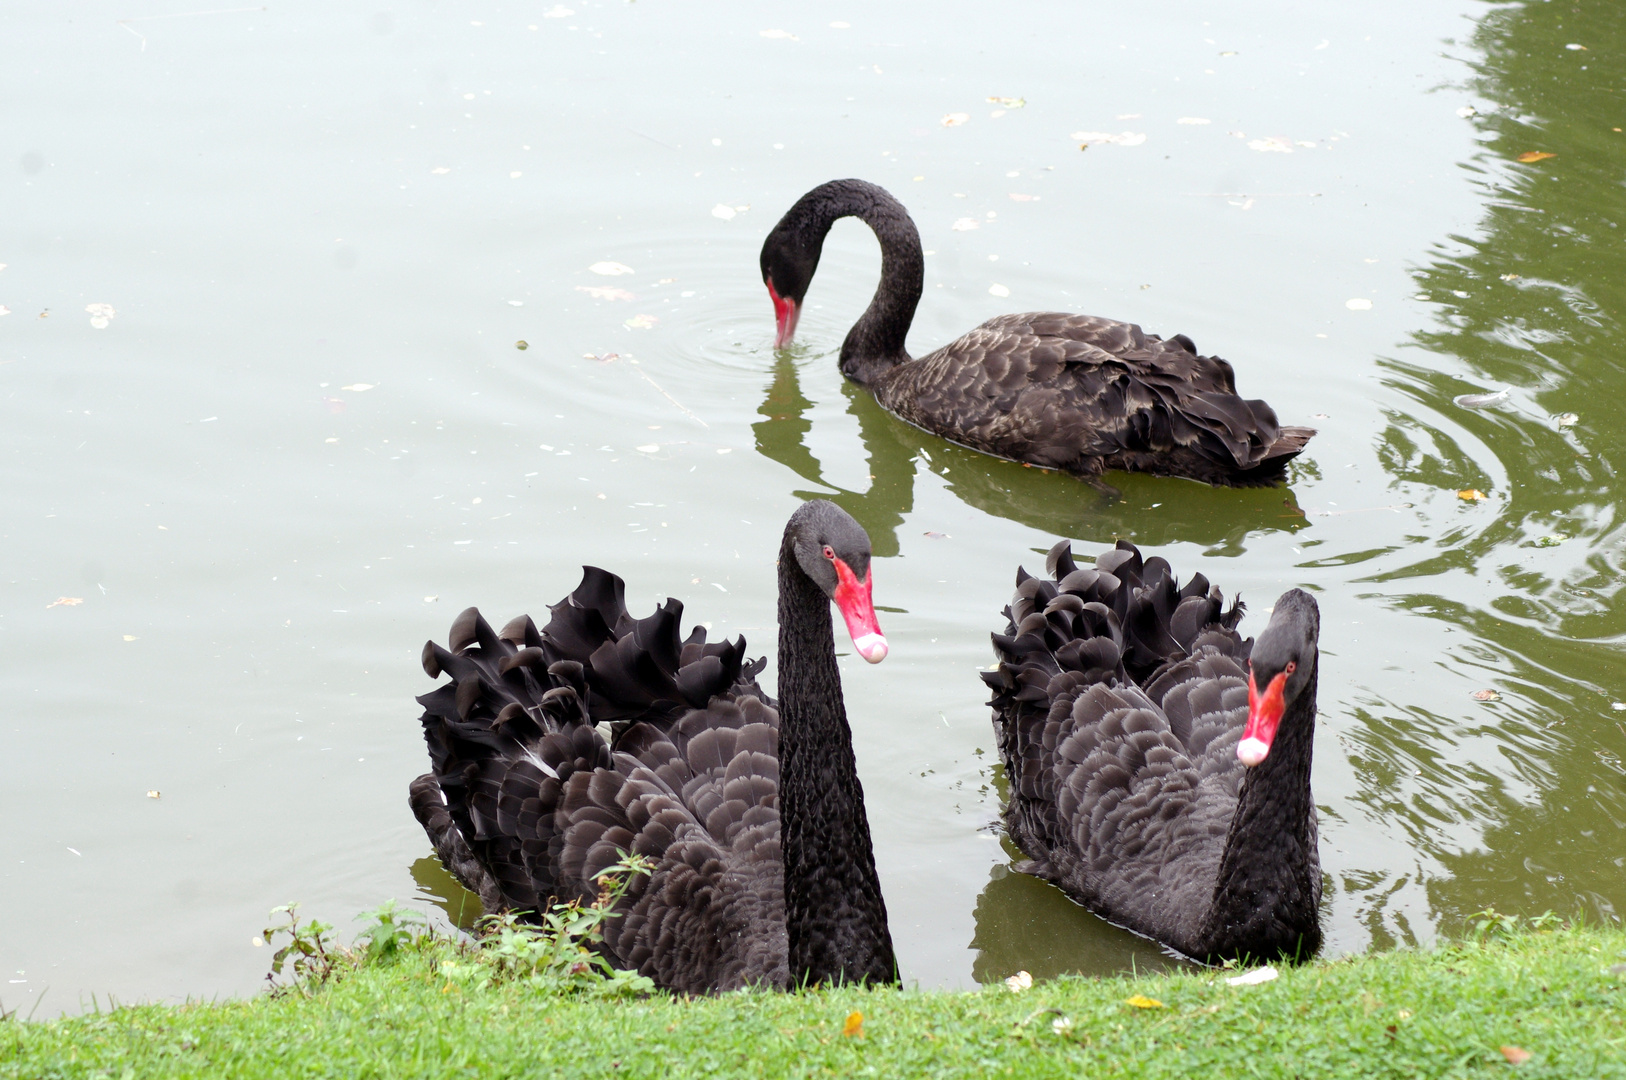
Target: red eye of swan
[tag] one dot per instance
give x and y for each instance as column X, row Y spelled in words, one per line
column 829, row 552
column 1292, row 666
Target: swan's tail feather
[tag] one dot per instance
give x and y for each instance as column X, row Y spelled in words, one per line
column 527, row 801
column 1122, row 624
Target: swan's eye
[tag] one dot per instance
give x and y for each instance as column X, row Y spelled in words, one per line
column 1292, row 666
column 829, row 552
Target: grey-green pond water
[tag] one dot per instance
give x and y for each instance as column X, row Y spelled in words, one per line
column 304, row 437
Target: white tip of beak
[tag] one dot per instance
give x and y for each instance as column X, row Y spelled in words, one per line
column 1252, row 751
column 871, row 647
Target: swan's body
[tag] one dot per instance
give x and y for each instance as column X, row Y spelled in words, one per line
column 753, row 816
column 1150, row 778
column 1070, row 392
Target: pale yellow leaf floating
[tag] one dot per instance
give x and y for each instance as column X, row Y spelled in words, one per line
column 955, row 119
column 605, row 292
column 854, row 1025
column 1019, row 982
column 641, row 322
column 1141, row 1001
column 1470, row 495
column 1535, row 155
column 65, row 601
column 359, row 387
column 610, row 269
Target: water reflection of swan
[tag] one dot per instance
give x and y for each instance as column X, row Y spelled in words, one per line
column 1071, row 392
column 1149, row 510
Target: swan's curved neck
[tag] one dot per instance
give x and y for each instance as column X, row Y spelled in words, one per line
column 1268, row 888
column 834, row 914
column 875, row 343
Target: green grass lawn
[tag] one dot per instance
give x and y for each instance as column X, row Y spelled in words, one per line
column 1558, row 995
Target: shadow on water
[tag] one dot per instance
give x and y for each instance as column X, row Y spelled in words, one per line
column 1530, row 304
column 1024, row 924
column 440, row 888
column 1151, row 510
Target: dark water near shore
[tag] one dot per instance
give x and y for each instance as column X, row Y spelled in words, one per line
column 305, row 438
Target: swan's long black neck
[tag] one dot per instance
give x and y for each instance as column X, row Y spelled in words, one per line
column 875, row 343
column 1268, row 890
column 834, row 913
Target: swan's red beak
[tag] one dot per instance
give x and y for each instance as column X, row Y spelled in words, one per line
column 1264, row 714
column 785, row 313
column 852, row 598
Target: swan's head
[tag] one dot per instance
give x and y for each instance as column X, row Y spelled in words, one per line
column 789, row 257
column 833, row 550
column 1279, row 669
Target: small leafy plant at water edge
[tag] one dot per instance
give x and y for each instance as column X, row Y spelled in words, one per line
column 560, row 952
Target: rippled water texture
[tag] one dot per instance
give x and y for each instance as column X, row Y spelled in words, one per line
column 300, row 437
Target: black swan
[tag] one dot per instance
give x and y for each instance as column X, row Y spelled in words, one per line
column 753, row 816
column 1062, row 391
column 1159, row 764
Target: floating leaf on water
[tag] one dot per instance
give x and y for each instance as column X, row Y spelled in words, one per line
column 997, row 289
column 1568, row 419
column 1486, row 695
column 1480, row 401
column 1141, row 1001
column 1254, row 977
column 937, row 535
column 1471, row 495
column 1359, row 303
column 1573, row 47
column 1618, row 706
column 1516, row 1055
column 611, row 269
column 1467, row 111
column 65, row 601
column 1550, row 540
column 605, row 292
column 779, row 35
column 1535, row 155
column 648, row 448
column 358, row 387
column 1087, row 139
column 1193, row 120
column 1019, row 982
column 955, row 119
column 522, row 345
column 515, row 175
column 853, row 1026
column 641, row 322
column 1008, row 102
column 965, row 224
column 724, row 212
column 1276, row 144
column 131, row 637
column 154, row 794
column 1510, row 277
column 430, row 599
column 100, row 315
